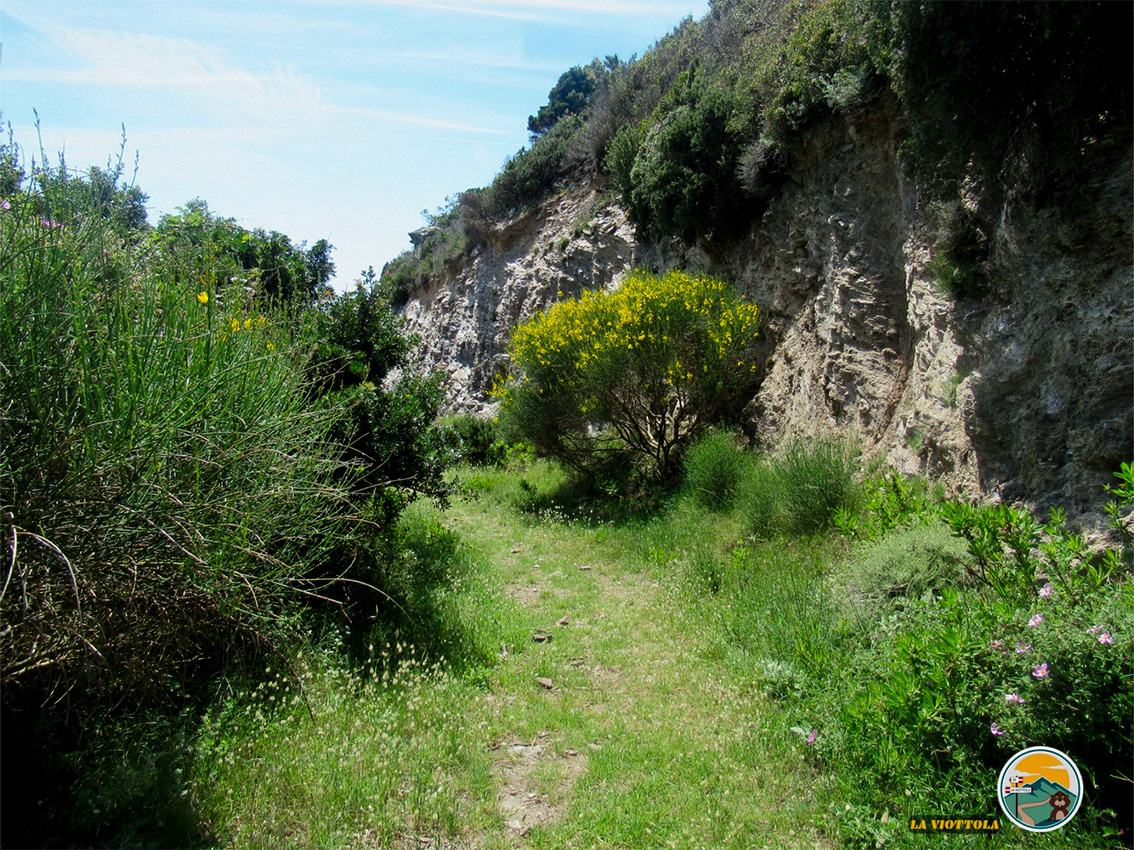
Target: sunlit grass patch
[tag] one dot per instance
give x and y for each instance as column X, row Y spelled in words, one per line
column 350, row 759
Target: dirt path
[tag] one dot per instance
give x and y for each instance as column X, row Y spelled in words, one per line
column 616, row 723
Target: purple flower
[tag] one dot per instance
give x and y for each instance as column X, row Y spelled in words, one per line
column 1040, row 671
column 1035, row 620
column 1021, row 648
column 1045, row 591
column 1095, row 629
column 998, row 644
column 814, row 734
column 1106, row 638
column 996, row 730
column 5, row 204
column 47, row 222
column 1016, row 698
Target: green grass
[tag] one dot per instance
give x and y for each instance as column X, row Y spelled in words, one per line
column 648, row 737
column 707, row 690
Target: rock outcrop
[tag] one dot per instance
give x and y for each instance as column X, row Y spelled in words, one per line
column 1026, row 393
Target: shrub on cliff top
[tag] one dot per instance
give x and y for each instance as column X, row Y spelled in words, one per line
column 630, row 375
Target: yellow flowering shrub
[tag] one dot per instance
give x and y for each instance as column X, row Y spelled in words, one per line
column 635, row 372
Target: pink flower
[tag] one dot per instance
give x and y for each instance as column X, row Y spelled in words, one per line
column 998, row 644
column 1095, row 629
column 1021, row 648
column 1045, row 591
column 5, row 204
column 814, row 734
column 1016, row 698
column 996, row 730
column 1106, row 638
column 1035, row 620
column 1040, row 671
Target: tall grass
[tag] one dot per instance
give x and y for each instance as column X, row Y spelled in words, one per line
column 164, row 480
column 373, row 759
column 801, row 488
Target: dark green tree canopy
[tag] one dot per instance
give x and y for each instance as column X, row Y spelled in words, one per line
column 569, row 96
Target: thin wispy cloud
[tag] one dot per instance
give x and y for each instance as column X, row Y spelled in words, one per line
column 145, row 61
column 335, row 119
column 535, row 10
column 210, row 78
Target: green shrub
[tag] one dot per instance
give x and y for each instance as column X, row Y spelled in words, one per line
column 886, row 502
column 197, row 242
column 948, row 684
column 190, row 467
column 810, row 59
column 623, row 380
column 389, row 433
column 531, row 174
column 974, row 79
column 169, row 493
column 714, row 468
column 801, row 489
column 478, row 440
column 909, row 562
column 165, row 480
column 682, row 178
column 568, row 97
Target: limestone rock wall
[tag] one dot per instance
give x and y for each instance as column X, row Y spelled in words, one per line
column 1026, row 394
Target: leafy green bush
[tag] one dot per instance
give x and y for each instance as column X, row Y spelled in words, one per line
column 714, row 468
column 389, row 432
column 801, row 489
column 531, row 174
column 955, row 654
column 975, row 78
column 887, row 502
column 624, row 379
column 197, row 243
column 478, row 440
column 163, row 475
column 810, row 59
column 908, row 562
column 568, row 97
column 183, row 480
column 682, row 180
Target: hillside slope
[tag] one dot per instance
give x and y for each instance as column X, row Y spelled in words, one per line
column 1016, row 380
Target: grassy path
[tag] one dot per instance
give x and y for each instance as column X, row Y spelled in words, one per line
column 613, row 721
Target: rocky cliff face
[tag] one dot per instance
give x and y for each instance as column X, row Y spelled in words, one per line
column 1025, row 393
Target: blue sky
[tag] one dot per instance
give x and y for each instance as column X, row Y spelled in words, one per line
column 336, row 119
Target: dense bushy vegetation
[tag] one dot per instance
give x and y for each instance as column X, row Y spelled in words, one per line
column 200, row 452
column 699, row 132
column 950, row 636
column 625, row 379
